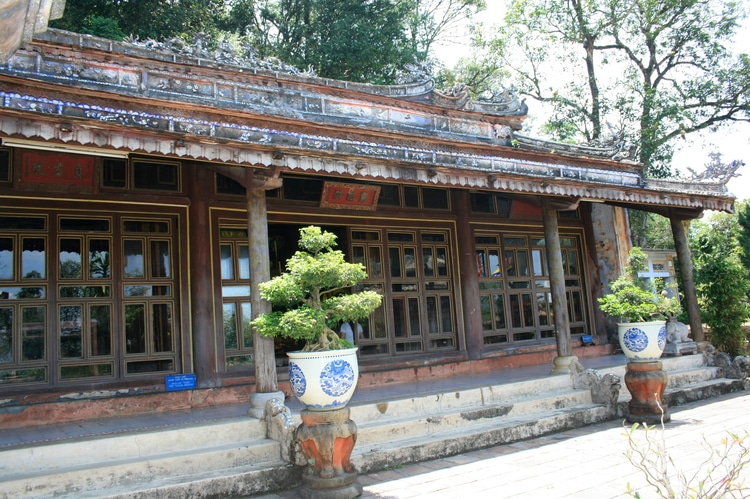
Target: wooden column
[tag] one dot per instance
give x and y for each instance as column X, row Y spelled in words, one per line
column 257, row 224
column 686, row 273
column 557, row 287
column 201, row 281
column 470, row 301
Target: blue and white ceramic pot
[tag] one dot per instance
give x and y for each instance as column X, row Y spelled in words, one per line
column 324, row 381
column 642, row 341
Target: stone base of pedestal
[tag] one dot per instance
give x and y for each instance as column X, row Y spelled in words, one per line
column 343, row 486
column 646, row 382
column 564, row 364
column 327, row 440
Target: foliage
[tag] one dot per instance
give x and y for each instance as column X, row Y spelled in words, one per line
column 307, row 292
column 143, row 19
column 743, row 237
column 650, row 230
column 719, row 475
column 647, row 71
column 721, row 281
column 631, row 300
column 342, row 39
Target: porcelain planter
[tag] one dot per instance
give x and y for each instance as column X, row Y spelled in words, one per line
column 642, row 341
column 324, row 381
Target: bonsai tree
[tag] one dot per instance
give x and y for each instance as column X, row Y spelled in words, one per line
column 631, row 300
column 309, row 294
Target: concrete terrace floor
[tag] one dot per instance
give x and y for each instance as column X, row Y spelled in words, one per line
column 584, row 463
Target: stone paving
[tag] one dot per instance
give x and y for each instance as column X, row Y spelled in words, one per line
column 585, row 463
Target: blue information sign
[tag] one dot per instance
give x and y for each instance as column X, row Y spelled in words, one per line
column 180, row 382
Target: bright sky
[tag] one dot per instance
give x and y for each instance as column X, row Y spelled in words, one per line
column 732, row 141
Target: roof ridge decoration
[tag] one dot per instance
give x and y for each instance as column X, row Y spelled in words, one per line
column 415, row 83
column 614, row 148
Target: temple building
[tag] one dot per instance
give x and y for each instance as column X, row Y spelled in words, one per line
column 147, row 188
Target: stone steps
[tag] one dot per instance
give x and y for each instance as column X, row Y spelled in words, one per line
column 230, row 456
column 100, row 465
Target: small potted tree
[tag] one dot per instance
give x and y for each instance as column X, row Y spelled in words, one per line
column 310, row 303
column 641, row 312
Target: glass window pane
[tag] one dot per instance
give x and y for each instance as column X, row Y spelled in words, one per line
column 33, row 259
column 528, row 312
column 576, row 306
column 235, row 291
column 160, row 264
column 510, row 263
column 515, row 310
column 100, row 333
column 394, row 257
column 375, row 267
column 6, row 334
column 135, row 328
column 99, row 265
column 572, row 262
column 399, row 317
column 523, row 263
column 134, row 265
column 227, row 267
column 446, row 314
column 244, row 262
column 32, row 328
column 432, row 315
column 247, row 329
column 499, row 310
column 70, row 332
column 230, row 326
column 411, row 197
column 428, row 262
column 358, row 255
column 536, row 257
column 162, row 324
column 6, row 258
column 442, row 261
column 495, row 267
column 484, row 303
column 415, row 328
column 410, row 262
column 481, row 263
column 70, row 259
column 542, row 309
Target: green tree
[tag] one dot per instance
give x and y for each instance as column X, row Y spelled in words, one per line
column 143, row 19
column 652, row 71
column 721, row 281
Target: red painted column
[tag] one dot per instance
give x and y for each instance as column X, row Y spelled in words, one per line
column 201, row 281
column 467, row 262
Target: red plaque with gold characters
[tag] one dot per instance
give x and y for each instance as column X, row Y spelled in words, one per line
column 350, row 196
column 54, row 169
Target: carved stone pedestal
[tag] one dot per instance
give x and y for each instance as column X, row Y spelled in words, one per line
column 327, row 439
column 646, row 382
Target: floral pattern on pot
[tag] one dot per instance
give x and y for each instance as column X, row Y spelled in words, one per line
column 337, row 378
column 297, row 379
column 635, row 339
column 663, row 337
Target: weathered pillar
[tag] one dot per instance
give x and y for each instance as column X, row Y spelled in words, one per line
column 685, row 260
column 565, row 356
column 469, row 280
column 201, row 280
column 266, row 382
